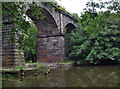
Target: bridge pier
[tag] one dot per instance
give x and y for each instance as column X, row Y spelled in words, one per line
column 11, row 56
column 51, row 49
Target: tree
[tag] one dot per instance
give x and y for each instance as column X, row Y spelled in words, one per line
column 97, row 40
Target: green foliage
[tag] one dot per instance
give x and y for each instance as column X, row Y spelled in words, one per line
column 65, row 62
column 97, row 40
column 30, row 44
column 75, row 15
column 18, row 68
column 67, row 44
column 60, row 8
column 64, row 30
column 38, row 65
column 6, row 80
column 65, row 11
column 111, row 6
column 95, row 48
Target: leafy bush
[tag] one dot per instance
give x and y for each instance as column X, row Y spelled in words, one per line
column 88, row 46
column 30, row 44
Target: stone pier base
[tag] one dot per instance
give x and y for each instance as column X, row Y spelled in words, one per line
column 11, row 56
column 51, row 49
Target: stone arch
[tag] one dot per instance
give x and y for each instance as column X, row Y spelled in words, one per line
column 69, row 27
column 46, row 26
column 50, row 47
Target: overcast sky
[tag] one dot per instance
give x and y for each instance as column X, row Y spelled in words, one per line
column 75, row 6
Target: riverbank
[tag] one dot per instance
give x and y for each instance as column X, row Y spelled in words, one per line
column 43, row 68
column 36, row 68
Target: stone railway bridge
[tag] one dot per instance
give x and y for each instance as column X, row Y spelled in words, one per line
column 51, row 46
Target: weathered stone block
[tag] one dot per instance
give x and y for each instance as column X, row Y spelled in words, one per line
column 51, row 49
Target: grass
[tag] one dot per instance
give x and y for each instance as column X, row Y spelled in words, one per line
column 65, row 62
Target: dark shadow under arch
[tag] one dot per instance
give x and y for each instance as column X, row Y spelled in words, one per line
column 69, row 27
column 46, row 26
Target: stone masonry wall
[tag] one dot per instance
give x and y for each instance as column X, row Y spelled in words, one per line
column 51, row 49
column 10, row 55
column 8, row 51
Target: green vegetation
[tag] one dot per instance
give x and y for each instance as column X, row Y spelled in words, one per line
column 6, row 80
column 65, row 62
column 75, row 15
column 98, row 37
column 17, row 68
column 30, row 44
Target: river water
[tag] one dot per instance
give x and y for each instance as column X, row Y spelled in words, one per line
column 82, row 76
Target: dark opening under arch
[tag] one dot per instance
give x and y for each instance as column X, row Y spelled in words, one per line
column 69, row 27
column 46, row 26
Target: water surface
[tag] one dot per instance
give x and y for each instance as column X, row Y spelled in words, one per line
column 83, row 76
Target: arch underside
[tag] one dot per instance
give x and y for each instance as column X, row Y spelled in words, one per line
column 46, row 26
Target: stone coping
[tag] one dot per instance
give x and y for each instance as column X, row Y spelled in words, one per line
column 30, row 68
column 10, row 70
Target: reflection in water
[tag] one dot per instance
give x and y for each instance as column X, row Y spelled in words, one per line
column 99, row 76
column 93, row 76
